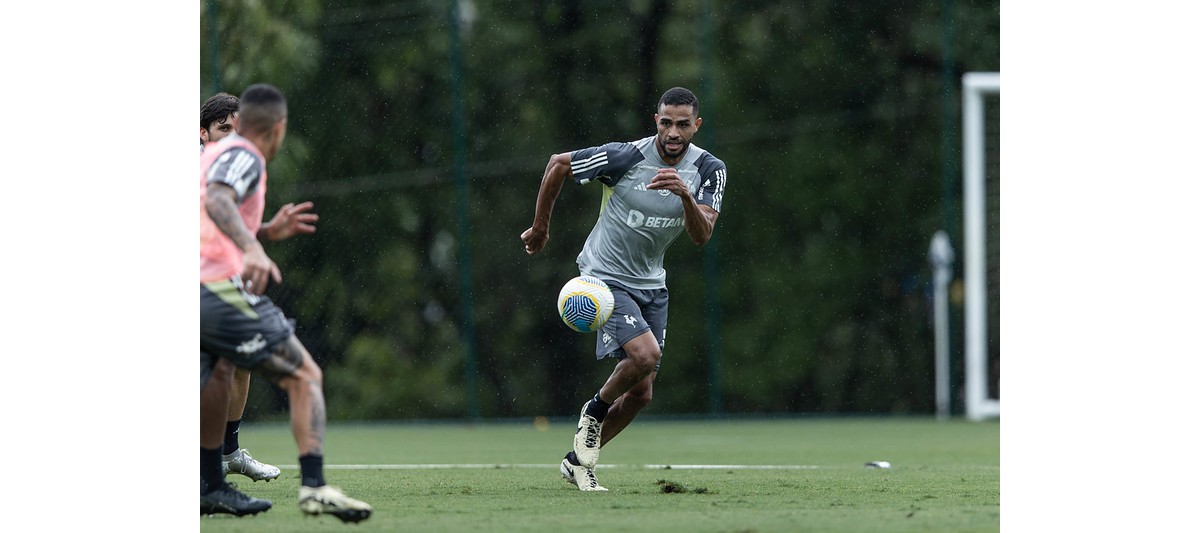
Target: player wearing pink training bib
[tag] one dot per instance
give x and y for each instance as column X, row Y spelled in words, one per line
column 218, row 119
column 236, row 162
column 239, row 324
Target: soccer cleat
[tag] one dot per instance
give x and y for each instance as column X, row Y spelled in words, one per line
column 240, row 462
column 228, row 500
column 587, row 439
column 568, row 471
column 585, row 480
column 325, row 499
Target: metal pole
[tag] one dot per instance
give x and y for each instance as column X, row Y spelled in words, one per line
column 950, row 169
column 712, row 275
column 941, row 257
column 214, row 37
column 466, row 296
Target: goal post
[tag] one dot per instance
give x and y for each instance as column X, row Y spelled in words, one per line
column 979, row 404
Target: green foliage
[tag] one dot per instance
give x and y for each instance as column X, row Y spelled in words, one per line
column 828, row 114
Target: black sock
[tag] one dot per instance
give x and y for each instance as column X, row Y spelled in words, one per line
column 210, row 470
column 312, row 470
column 571, row 458
column 597, row 408
column 231, row 436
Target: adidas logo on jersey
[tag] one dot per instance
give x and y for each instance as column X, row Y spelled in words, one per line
column 642, row 187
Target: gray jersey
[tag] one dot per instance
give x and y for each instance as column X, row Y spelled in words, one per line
column 637, row 224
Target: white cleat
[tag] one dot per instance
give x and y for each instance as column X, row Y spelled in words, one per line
column 586, row 480
column 587, row 439
column 325, row 499
column 240, row 462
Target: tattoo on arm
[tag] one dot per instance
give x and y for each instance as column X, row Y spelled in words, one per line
column 221, row 204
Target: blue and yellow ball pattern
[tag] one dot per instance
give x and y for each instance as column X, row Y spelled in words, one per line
column 585, row 303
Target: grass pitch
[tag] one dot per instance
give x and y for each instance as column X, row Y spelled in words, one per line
column 791, row 474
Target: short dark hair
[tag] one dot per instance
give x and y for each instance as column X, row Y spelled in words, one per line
column 262, row 106
column 679, row 96
column 218, row 106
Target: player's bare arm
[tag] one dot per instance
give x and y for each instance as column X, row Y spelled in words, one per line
column 558, row 169
column 698, row 220
column 290, row 220
column 221, row 204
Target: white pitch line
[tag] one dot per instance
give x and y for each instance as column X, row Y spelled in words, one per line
column 518, row 465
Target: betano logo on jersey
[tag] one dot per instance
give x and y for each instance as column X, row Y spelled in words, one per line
column 637, row 219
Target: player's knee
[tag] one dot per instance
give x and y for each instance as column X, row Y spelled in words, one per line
column 304, row 381
column 644, row 359
column 643, row 364
column 289, row 362
column 307, row 372
column 310, row 372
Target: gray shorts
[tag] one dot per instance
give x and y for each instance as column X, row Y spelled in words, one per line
column 238, row 326
column 635, row 312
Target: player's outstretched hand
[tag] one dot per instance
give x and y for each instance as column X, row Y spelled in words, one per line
column 535, row 239
column 292, row 219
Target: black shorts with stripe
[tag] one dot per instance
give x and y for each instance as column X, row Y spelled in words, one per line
column 238, row 326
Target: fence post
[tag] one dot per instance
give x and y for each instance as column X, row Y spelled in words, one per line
column 941, row 259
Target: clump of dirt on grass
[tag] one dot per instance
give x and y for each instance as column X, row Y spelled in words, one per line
column 671, row 487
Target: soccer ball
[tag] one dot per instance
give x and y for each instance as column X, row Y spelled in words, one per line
column 585, row 303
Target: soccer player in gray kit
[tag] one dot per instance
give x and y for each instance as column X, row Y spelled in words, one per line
column 654, row 189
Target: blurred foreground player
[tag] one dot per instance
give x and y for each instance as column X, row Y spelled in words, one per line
column 239, row 324
column 218, row 119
